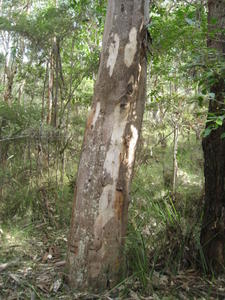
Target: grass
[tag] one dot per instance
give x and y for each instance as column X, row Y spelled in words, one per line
column 163, row 232
column 162, row 243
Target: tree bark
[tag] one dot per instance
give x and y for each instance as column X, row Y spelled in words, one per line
column 100, row 208
column 213, row 227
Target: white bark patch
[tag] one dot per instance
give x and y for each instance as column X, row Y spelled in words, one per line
column 97, row 111
column 131, row 48
column 142, row 25
column 111, row 168
column 113, row 53
column 101, row 221
column 139, row 74
column 111, row 164
column 132, row 146
column 105, row 195
column 131, row 80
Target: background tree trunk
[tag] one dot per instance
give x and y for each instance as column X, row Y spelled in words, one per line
column 50, row 87
column 175, row 164
column 100, row 208
column 213, row 227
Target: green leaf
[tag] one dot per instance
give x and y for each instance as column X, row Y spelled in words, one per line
column 219, row 122
column 222, row 135
column 207, row 131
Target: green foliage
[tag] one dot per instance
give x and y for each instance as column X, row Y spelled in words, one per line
column 164, row 232
column 19, row 117
column 40, row 27
column 214, row 122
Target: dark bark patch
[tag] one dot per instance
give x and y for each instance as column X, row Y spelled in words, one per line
column 74, row 248
column 130, row 89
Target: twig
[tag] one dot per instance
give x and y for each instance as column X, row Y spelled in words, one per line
column 9, row 264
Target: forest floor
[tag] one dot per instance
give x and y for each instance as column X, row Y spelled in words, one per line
column 32, row 266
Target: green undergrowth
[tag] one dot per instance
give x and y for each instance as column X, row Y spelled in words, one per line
column 164, row 229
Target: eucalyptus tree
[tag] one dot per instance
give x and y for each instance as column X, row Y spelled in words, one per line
column 213, row 227
column 100, row 207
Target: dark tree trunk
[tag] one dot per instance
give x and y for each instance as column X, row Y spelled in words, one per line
column 213, row 226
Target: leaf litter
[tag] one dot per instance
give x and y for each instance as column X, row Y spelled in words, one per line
column 35, row 269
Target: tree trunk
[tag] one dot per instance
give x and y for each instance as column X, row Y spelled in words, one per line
column 43, row 96
column 56, row 51
column 175, row 165
column 100, row 208
column 213, row 227
column 10, row 74
column 50, row 88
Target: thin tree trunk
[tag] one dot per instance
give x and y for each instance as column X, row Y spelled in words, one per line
column 56, row 50
column 175, row 165
column 213, row 226
column 43, row 95
column 50, row 89
column 20, row 92
column 100, row 208
column 10, row 74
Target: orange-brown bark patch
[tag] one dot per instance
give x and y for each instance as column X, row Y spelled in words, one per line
column 119, row 204
column 89, row 122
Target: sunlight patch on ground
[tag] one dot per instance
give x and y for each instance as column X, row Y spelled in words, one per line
column 188, row 178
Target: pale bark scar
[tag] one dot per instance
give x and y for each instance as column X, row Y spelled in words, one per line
column 131, row 48
column 113, row 53
column 93, row 116
column 132, row 146
column 111, row 167
column 96, row 114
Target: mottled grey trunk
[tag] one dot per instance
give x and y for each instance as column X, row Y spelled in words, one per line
column 100, row 208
